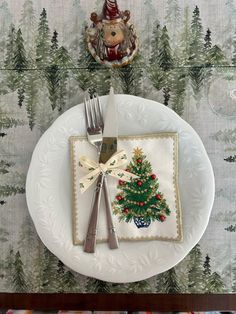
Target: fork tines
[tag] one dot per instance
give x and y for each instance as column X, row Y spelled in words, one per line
column 93, row 112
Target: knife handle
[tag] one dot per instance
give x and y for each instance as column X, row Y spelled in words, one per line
column 90, row 240
column 112, row 236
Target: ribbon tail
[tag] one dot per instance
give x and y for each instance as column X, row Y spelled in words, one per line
column 88, row 180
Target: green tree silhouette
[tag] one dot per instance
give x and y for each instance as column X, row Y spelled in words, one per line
column 155, row 42
column 216, row 56
column 54, row 41
column 216, row 284
column 230, row 159
column 43, row 41
column 185, row 38
column 207, row 40
column 97, row 286
column 165, row 58
column 195, row 270
column 28, row 28
column 18, row 278
column 20, row 61
column 173, row 19
column 142, row 286
column 48, row 272
column 9, row 62
column 196, row 58
column 206, row 273
column 168, row 282
column 130, row 77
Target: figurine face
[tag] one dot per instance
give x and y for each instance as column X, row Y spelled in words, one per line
column 113, row 33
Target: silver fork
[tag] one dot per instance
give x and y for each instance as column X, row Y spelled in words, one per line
column 95, row 126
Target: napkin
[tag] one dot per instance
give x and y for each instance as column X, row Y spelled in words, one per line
column 148, row 208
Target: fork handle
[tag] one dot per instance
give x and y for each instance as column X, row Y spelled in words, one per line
column 90, row 240
column 112, row 236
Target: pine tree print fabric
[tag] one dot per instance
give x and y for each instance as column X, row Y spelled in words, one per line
column 146, row 208
column 197, row 80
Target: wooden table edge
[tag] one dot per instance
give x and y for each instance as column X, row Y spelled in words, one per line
column 119, row 302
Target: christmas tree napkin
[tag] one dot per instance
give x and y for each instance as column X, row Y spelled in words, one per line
column 148, row 207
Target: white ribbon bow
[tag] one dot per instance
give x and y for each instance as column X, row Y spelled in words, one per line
column 111, row 167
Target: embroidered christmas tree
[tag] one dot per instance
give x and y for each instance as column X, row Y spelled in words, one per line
column 140, row 200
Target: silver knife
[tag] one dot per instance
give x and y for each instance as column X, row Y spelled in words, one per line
column 109, row 147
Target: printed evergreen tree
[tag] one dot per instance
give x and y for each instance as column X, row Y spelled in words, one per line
column 179, row 85
column 54, row 41
column 66, row 279
column 57, row 75
column 9, row 268
column 216, row 284
column 230, row 159
column 27, row 25
column 173, row 19
column 234, row 276
column 142, row 286
column 185, row 38
column 165, row 59
column 43, row 41
column 216, row 56
column 168, row 282
column 195, row 270
column 206, row 273
column 31, row 96
column 140, row 200
column 69, row 282
column 7, row 122
column 20, row 61
column 97, row 286
column 6, row 20
column 150, row 16
column 64, row 62
column 5, row 165
column 166, row 95
column 86, row 75
column 18, row 279
column 196, row 58
column 75, row 23
column 130, row 77
column 227, row 136
column 48, row 272
column 9, row 190
column 207, row 39
column 9, row 62
column 155, row 43
column 231, row 228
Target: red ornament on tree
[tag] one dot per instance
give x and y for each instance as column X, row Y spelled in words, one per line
column 121, row 182
column 127, row 170
column 126, row 211
column 139, row 161
column 162, row 218
column 153, row 176
column 141, row 204
column 140, row 183
column 119, row 197
column 158, row 196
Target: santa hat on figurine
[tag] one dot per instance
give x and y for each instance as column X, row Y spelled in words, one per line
column 111, row 10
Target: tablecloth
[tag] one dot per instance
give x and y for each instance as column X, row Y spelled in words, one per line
column 187, row 61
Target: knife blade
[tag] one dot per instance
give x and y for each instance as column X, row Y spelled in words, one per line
column 110, row 132
column 109, row 147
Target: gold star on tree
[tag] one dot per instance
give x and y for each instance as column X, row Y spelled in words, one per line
column 138, row 152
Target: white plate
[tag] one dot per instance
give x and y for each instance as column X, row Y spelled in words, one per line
column 48, row 191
